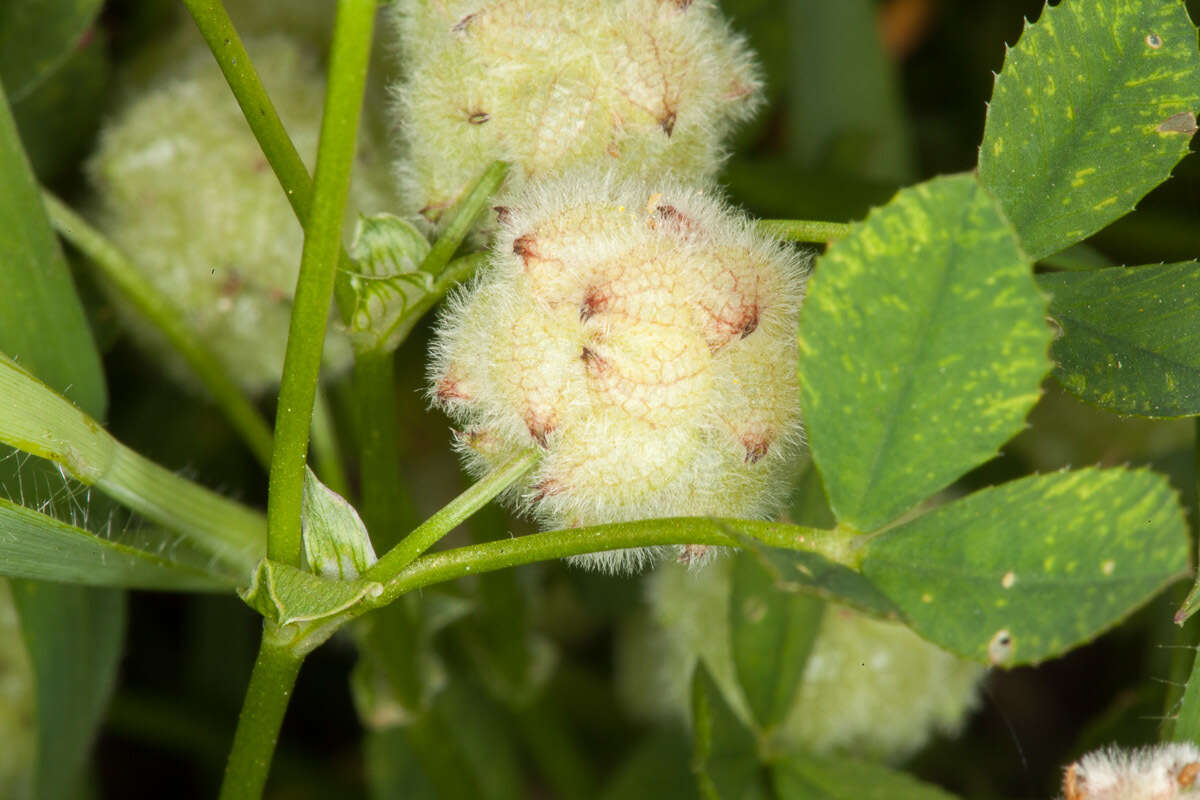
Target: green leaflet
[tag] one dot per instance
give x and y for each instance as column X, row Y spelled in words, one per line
column 1022, row 572
column 922, row 346
column 799, row 776
column 1093, row 108
column 37, row 36
column 336, row 543
column 388, row 283
column 34, row 545
column 1130, row 338
column 771, row 633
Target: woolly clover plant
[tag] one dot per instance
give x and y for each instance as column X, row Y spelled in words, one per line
column 827, row 401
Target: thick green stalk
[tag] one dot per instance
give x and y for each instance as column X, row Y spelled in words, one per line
column 266, row 702
column 386, row 507
column 502, row 554
column 451, row 516
column 803, row 230
column 227, row 48
column 463, row 217
column 161, row 312
column 318, row 264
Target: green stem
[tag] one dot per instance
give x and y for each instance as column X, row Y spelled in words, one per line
column 267, row 697
column 318, row 264
column 327, row 454
column 386, row 507
column 502, row 554
column 463, row 217
column 803, row 230
column 451, row 516
column 227, row 48
column 169, row 320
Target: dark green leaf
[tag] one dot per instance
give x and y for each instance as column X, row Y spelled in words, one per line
column 657, row 768
column 73, row 633
column 922, row 346
column 809, row 505
column 806, row 777
column 43, row 327
column 1130, row 338
column 810, row 573
column 74, row 638
column 1093, row 108
column 851, row 117
column 771, row 636
column 34, row 545
column 1019, row 573
column 37, row 36
column 393, row 769
column 725, row 753
column 59, row 119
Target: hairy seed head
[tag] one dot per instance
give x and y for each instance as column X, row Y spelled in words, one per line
column 643, row 336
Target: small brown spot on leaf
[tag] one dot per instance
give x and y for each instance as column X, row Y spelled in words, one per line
column 1184, row 122
column 1000, row 647
column 478, row 117
column 692, row 553
column 667, row 122
column 682, row 5
column 503, row 214
column 1153, row 41
column 1187, row 776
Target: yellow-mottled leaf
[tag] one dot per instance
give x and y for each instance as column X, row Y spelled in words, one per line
column 1094, row 107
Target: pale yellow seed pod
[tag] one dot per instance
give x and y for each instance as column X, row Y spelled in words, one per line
column 644, row 87
column 183, row 188
column 643, row 336
column 870, row 689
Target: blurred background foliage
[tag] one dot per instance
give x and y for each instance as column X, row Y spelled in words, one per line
column 865, row 97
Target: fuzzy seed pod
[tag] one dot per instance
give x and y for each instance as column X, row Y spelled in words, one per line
column 647, row 87
column 1162, row 772
column 183, row 188
column 644, row 337
column 871, row 689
